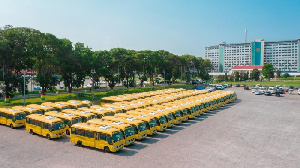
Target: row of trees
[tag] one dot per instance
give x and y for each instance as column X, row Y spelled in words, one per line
column 267, row 72
column 28, row 49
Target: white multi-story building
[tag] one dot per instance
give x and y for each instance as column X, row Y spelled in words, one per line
column 283, row 55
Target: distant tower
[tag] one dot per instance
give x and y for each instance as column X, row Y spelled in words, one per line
column 246, row 36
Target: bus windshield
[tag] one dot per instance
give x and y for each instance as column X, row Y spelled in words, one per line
column 184, row 111
column 57, row 126
column 117, row 136
column 76, row 120
column 142, row 126
column 129, row 131
column 162, row 119
column 153, row 123
column 19, row 116
column 170, row 117
column 177, row 114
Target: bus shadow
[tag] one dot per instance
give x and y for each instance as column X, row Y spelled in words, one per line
column 125, row 152
column 150, row 140
column 178, row 127
column 199, row 119
column 160, row 135
column 185, row 124
column 137, row 145
column 170, row 131
column 62, row 140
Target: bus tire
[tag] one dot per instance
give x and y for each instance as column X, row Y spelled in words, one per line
column 11, row 126
column 48, row 137
column 79, row 143
column 67, row 132
column 106, row 149
column 31, row 132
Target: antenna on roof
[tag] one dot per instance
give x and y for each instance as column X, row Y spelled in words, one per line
column 246, row 36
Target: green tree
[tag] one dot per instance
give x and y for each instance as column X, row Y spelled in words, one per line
column 226, row 77
column 255, row 74
column 268, row 71
column 236, row 76
column 246, row 76
column 278, row 73
column 15, row 55
column 286, row 75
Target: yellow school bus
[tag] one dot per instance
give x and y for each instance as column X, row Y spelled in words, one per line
column 139, row 126
column 176, row 114
column 75, row 104
column 12, row 117
column 168, row 114
column 85, row 115
column 31, row 110
column 47, row 126
column 59, row 106
column 127, row 129
column 68, row 118
column 87, row 103
column 183, row 111
column 43, row 108
column 102, row 137
column 161, row 119
column 150, row 121
column 100, row 112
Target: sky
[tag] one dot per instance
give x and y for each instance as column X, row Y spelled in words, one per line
column 178, row 26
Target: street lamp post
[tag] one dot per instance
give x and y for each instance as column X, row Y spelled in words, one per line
column 93, row 72
column 164, row 78
column 24, row 73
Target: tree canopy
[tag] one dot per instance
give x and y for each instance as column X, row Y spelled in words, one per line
column 56, row 59
column 268, row 71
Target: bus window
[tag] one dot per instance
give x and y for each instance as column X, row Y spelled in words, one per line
column 109, row 139
column 103, row 137
column 117, row 136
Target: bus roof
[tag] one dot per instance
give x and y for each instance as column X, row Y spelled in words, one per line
column 104, row 129
column 43, row 118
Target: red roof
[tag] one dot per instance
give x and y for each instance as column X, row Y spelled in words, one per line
column 248, row 67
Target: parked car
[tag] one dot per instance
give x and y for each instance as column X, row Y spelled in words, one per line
column 246, row 88
column 254, row 89
column 258, row 92
column 268, row 93
column 198, row 88
column 285, row 89
column 237, row 85
column 229, row 85
column 263, row 89
column 37, row 88
column 272, row 90
column 281, row 91
column 243, row 85
column 210, row 89
column 299, row 91
column 219, row 87
column 196, row 82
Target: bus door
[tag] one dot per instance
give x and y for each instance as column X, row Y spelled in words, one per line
column 100, row 140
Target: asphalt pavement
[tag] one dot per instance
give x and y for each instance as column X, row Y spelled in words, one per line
column 254, row 131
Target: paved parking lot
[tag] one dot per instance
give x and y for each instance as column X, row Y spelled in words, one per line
column 255, row 131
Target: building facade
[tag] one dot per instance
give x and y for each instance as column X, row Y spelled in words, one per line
column 283, row 55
